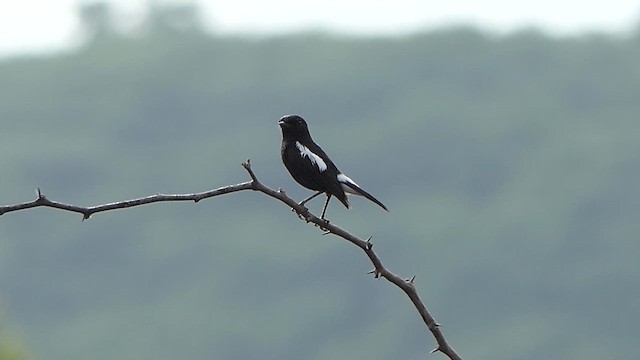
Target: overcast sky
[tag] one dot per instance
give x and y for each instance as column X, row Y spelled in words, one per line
column 45, row 25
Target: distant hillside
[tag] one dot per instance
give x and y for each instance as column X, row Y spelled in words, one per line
column 509, row 165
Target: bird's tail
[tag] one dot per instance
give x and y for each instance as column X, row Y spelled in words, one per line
column 351, row 187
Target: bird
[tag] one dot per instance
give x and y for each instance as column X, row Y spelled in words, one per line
column 312, row 168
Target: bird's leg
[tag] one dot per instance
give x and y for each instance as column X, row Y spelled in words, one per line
column 324, row 209
column 309, row 198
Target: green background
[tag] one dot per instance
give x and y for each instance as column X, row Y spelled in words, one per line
column 510, row 165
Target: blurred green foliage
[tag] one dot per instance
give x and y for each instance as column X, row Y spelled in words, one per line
column 510, row 165
column 10, row 351
column 10, row 346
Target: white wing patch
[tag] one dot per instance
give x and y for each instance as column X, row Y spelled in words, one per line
column 344, row 180
column 315, row 159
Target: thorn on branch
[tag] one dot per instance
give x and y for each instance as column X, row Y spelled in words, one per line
column 40, row 194
column 41, row 198
column 411, row 280
column 376, row 273
column 369, row 243
column 435, row 350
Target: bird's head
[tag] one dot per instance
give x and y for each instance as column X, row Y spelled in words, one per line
column 293, row 127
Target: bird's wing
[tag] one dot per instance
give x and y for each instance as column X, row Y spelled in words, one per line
column 312, row 168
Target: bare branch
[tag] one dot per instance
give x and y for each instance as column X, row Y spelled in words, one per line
column 86, row 212
column 406, row 285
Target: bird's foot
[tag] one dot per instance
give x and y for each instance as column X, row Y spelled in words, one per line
column 300, row 214
column 325, row 222
column 302, row 217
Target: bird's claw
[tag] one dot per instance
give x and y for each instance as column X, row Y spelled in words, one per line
column 325, row 222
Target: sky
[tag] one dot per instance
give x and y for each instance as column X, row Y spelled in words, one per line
column 36, row 26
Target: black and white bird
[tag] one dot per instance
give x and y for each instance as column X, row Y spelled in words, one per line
column 312, row 168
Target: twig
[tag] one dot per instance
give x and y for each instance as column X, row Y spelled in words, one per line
column 366, row 245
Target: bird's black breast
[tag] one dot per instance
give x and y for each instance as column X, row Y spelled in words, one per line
column 301, row 169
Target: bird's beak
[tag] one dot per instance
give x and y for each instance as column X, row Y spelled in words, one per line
column 281, row 123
